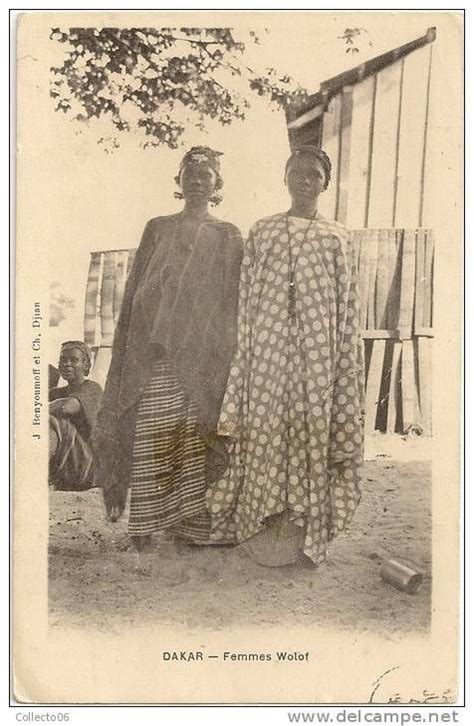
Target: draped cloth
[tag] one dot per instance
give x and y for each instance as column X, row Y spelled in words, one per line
column 293, row 404
column 71, row 468
column 168, row 478
column 180, row 304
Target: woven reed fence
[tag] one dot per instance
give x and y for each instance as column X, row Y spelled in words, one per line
column 396, row 289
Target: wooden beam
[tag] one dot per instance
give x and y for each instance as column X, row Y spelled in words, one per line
column 394, row 266
column 395, row 386
column 397, row 152
column 409, row 402
column 420, row 279
column 92, row 291
column 128, row 250
column 425, row 383
column 107, row 299
column 429, row 276
column 380, row 334
column 374, row 381
column 424, row 332
column 375, row 65
column 373, row 249
column 421, row 210
column 362, row 110
column 383, row 279
column 344, row 154
column 384, row 146
column 120, row 280
column 364, row 274
column 412, row 135
column 407, row 292
column 310, row 115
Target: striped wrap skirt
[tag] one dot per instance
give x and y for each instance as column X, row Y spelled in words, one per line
column 168, row 478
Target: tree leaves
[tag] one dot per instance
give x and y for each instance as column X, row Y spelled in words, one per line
column 149, row 74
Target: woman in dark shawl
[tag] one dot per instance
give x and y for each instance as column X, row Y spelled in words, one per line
column 173, row 344
column 293, row 405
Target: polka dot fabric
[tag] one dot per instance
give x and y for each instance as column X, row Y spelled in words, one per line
column 293, row 403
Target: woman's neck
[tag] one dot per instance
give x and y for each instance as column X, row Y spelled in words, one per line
column 195, row 211
column 303, row 210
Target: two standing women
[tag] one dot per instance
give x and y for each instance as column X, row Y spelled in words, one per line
column 292, row 407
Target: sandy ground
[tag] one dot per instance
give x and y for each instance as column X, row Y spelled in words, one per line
column 94, row 585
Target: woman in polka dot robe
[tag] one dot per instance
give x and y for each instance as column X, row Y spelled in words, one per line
column 293, row 405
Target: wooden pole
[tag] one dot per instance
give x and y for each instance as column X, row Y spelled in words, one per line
column 91, row 307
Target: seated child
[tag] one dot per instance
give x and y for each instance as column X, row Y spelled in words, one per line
column 73, row 409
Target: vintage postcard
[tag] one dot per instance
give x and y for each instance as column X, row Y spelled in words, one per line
column 238, row 355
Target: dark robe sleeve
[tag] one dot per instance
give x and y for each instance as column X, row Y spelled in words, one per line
column 105, row 440
column 217, row 459
column 228, row 327
column 114, row 376
column 235, row 246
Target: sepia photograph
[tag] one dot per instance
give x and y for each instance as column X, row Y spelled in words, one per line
column 238, row 289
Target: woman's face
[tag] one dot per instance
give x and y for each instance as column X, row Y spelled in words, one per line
column 305, row 179
column 72, row 365
column 197, row 182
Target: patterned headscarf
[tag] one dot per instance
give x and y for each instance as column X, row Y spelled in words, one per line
column 83, row 347
column 316, row 153
column 203, row 155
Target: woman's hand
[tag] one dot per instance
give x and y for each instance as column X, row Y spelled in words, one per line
column 64, row 407
column 115, row 498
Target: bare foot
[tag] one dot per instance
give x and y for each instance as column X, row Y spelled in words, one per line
column 114, row 512
column 114, row 500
